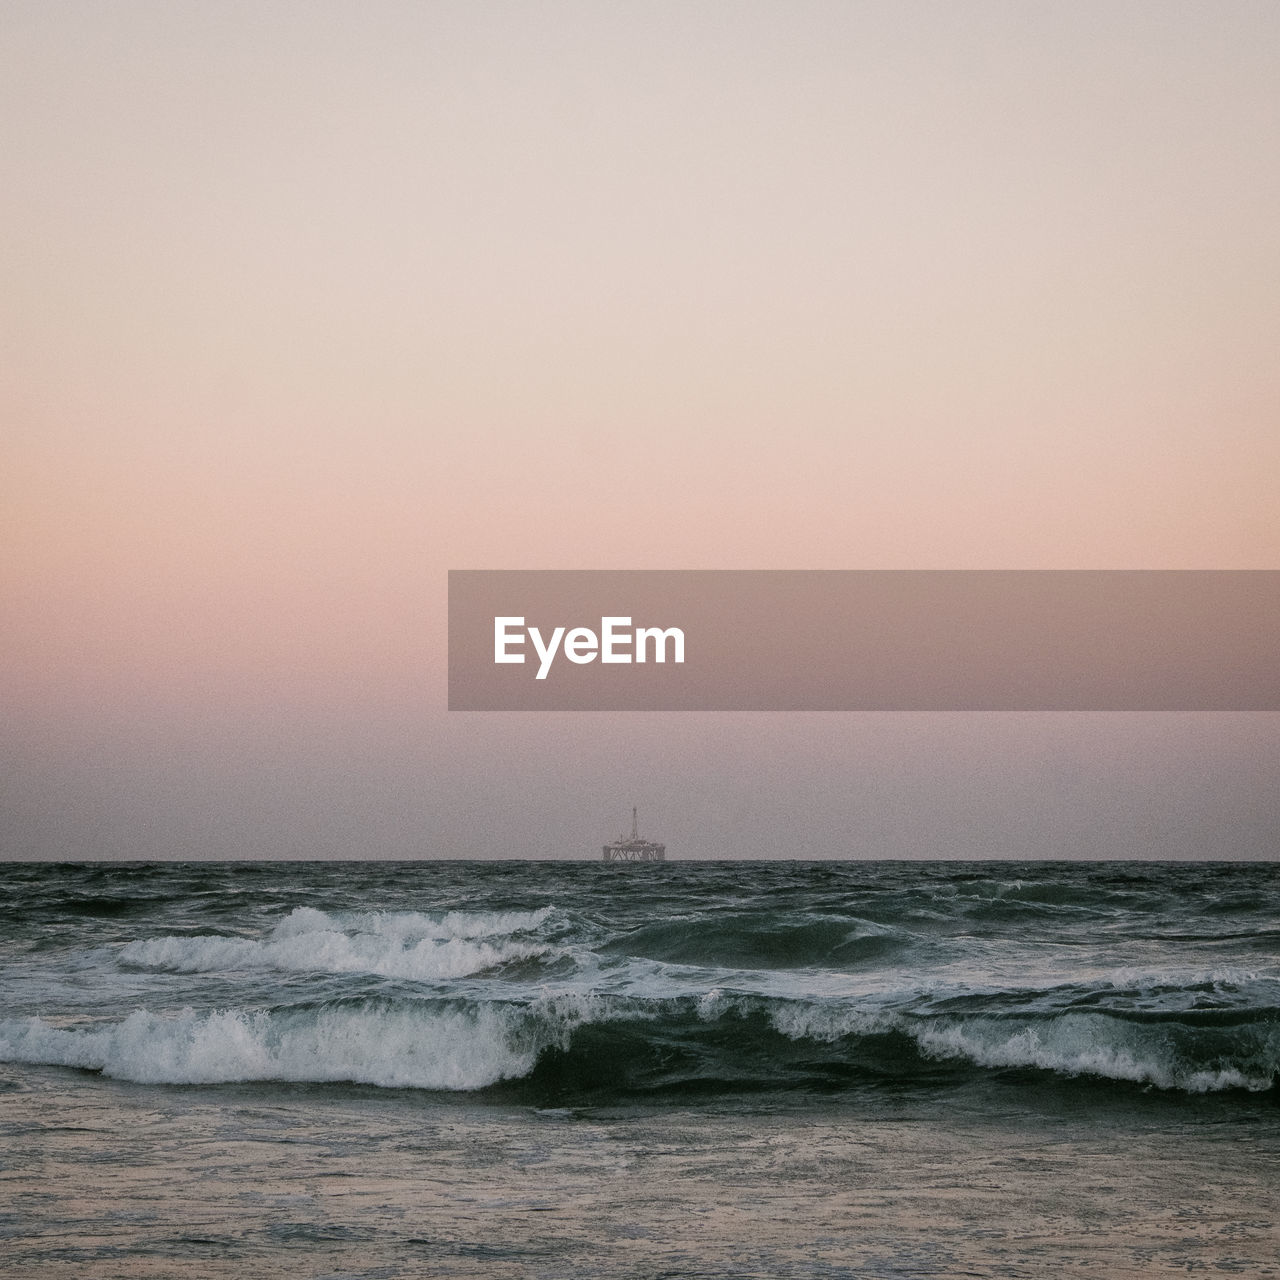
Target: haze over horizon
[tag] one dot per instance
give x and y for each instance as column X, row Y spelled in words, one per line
column 303, row 307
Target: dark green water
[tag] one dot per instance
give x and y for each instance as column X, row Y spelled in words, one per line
column 560, row 1069
column 566, row 984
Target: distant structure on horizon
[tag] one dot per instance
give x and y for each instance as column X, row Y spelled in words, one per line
column 633, row 849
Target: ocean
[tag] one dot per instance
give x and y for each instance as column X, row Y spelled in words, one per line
column 547, row 1069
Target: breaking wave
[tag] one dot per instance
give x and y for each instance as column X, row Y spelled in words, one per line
column 580, row 1046
column 452, row 1047
column 389, row 944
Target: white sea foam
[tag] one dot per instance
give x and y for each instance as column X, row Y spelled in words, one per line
column 452, row 1047
column 828, row 1022
column 1069, row 1044
column 391, row 944
column 1133, row 976
column 1083, row 1044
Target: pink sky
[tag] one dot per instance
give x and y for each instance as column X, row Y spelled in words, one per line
column 302, row 307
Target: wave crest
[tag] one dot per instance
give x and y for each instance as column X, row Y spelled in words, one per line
column 454, row 1047
column 389, row 944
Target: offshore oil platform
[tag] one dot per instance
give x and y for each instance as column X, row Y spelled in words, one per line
column 632, row 849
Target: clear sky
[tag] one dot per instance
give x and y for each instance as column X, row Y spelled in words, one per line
column 302, row 305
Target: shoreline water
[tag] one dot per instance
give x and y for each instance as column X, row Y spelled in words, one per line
column 134, row 1182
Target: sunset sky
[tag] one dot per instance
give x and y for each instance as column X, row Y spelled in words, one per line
column 302, row 305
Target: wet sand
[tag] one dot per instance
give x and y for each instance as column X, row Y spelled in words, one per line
column 115, row 1180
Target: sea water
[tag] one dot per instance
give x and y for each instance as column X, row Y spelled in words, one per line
column 556, row 1069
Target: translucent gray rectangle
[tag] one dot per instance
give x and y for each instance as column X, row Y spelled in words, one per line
column 813, row 640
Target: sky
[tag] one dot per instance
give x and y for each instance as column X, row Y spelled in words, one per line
column 303, row 305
